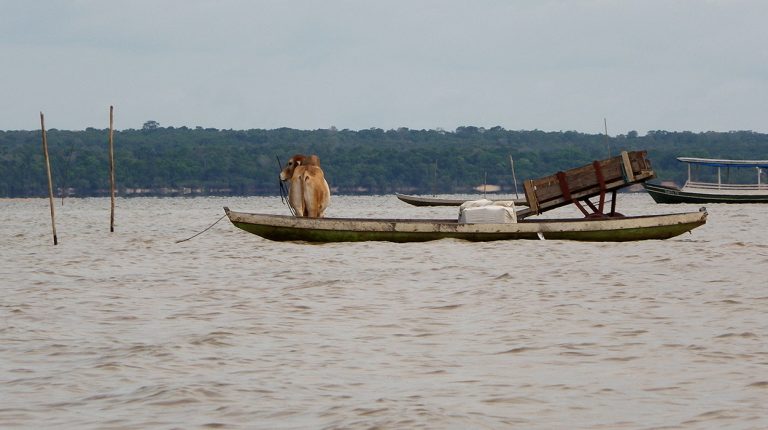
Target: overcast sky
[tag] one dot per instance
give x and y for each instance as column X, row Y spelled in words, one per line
column 551, row 65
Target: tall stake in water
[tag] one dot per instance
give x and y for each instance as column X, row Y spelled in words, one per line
column 50, row 181
column 434, row 181
column 514, row 177
column 111, row 171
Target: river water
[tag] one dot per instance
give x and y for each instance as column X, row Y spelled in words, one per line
column 131, row 330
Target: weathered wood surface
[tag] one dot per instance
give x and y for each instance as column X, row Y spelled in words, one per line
column 111, row 171
column 50, row 180
column 289, row 228
column 546, row 193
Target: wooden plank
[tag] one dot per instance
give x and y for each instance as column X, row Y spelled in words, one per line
column 585, row 177
column 530, row 195
column 628, row 170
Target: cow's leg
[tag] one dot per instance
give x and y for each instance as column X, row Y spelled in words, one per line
column 309, row 197
column 296, row 197
column 324, row 197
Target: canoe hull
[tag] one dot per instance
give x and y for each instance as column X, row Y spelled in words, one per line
column 436, row 201
column 323, row 230
column 669, row 195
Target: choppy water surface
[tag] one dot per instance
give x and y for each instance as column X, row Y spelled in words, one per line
column 131, row 330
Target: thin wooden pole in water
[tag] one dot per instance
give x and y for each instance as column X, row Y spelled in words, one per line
column 434, row 181
column 514, row 177
column 111, row 171
column 50, row 180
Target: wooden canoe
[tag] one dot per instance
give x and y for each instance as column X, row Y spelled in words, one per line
column 290, row 228
column 437, row 201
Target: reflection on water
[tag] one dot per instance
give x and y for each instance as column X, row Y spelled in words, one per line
column 131, row 330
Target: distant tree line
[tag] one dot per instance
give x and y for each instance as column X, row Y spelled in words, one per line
column 166, row 160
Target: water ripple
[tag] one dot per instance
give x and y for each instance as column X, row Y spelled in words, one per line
column 131, row 330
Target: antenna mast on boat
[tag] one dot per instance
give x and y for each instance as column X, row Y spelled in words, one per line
column 607, row 143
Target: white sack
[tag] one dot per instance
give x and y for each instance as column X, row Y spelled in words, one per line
column 487, row 212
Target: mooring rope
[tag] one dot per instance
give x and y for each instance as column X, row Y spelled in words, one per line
column 284, row 198
column 198, row 234
column 283, row 192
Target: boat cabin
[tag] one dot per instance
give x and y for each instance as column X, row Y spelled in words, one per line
column 726, row 176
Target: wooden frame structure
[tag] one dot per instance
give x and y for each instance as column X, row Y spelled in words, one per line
column 578, row 185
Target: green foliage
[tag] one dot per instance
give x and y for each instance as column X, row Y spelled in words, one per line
column 244, row 162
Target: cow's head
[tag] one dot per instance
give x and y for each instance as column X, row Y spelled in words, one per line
column 296, row 161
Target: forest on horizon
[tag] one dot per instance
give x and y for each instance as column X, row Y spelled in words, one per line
column 206, row 161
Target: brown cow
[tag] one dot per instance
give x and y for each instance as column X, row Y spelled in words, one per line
column 308, row 192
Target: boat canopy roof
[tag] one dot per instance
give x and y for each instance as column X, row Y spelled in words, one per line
column 724, row 163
